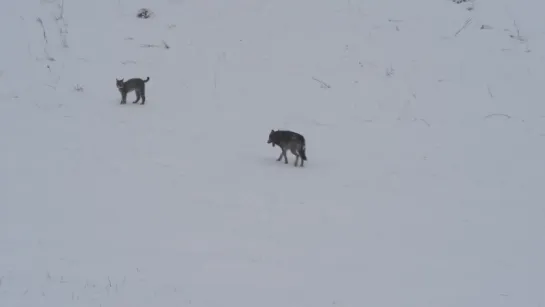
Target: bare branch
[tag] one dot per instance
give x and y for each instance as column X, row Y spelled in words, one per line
column 490, row 92
column 39, row 20
column 149, row 46
column 47, row 56
column 390, row 71
column 498, row 115
column 466, row 23
column 322, row 83
column 425, row 122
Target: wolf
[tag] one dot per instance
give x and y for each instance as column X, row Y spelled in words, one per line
column 135, row 84
column 293, row 141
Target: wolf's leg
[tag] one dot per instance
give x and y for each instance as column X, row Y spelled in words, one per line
column 280, row 157
column 143, row 96
column 296, row 154
column 285, row 156
column 299, row 152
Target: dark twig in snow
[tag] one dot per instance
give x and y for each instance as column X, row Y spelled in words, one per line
column 466, row 23
column 322, row 83
column 425, row 122
column 144, row 13
column 47, row 56
column 390, row 71
column 518, row 36
column 63, row 28
column 61, row 7
column 165, row 45
column 498, row 115
column 39, row 20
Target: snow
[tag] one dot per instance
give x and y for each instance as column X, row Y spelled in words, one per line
column 424, row 184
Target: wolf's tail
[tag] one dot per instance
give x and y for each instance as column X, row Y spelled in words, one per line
column 146, row 80
column 303, row 152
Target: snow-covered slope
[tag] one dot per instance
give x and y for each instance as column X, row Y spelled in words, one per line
column 425, row 129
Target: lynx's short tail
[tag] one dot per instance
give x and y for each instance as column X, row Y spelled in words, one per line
column 146, row 80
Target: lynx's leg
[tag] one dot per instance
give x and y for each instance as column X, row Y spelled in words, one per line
column 123, row 98
column 137, row 96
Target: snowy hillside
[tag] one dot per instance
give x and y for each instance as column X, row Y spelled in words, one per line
column 425, row 130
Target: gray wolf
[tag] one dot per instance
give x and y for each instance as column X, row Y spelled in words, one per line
column 135, row 84
column 293, row 141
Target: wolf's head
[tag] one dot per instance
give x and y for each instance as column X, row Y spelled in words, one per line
column 119, row 83
column 271, row 138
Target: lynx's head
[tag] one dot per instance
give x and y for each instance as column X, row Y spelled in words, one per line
column 119, row 83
